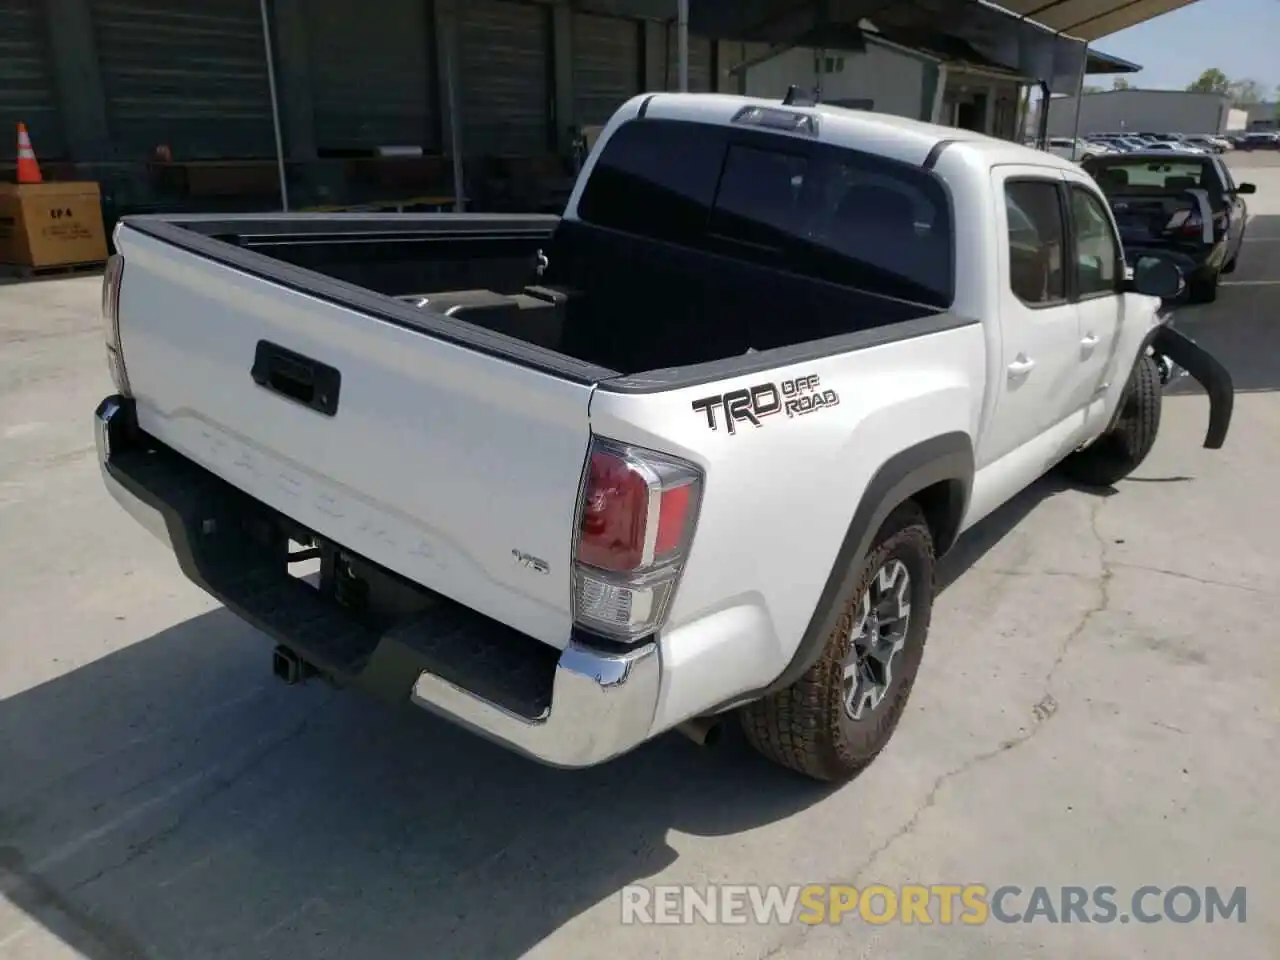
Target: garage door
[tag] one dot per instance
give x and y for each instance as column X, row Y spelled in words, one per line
column 699, row 63
column 191, row 74
column 504, row 62
column 27, row 92
column 606, row 65
column 371, row 81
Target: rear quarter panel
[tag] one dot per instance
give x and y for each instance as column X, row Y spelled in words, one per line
column 779, row 498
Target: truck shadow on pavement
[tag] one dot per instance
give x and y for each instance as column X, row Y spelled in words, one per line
column 174, row 800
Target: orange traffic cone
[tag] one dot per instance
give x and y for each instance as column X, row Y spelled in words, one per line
column 28, row 168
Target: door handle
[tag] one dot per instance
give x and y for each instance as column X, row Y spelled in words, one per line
column 1088, row 342
column 1021, row 366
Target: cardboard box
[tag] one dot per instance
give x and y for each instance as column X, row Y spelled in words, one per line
column 48, row 224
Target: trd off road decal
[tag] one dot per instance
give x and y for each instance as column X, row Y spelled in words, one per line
column 794, row 397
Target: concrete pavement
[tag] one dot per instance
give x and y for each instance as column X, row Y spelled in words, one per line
column 1099, row 704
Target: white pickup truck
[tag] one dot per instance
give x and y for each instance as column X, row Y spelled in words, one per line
column 692, row 448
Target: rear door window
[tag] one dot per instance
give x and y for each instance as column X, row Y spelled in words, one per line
column 1037, row 236
column 1098, row 261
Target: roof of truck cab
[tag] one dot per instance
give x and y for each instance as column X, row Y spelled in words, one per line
column 882, row 133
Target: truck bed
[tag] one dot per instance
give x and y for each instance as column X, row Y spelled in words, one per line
column 615, row 304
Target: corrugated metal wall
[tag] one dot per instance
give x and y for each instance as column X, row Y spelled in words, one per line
column 27, row 91
column 700, row 67
column 371, row 74
column 191, row 74
column 606, row 65
column 505, row 65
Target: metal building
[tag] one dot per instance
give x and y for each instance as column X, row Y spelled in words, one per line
column 884, row 78
column 1140, row 111
column 234, row 104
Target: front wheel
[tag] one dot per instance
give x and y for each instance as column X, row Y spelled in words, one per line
column 836, row 718
column 1121, row 450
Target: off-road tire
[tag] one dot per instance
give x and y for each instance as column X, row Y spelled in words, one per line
column 805, row 726
column 1121, row 450
column 1204, row 290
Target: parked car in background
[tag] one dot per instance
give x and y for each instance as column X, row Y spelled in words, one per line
column 1260, row 141
column 1107, row 140
column 1166, row 146
column 1070, row 149
column 1185, row 207
column 1204, row 143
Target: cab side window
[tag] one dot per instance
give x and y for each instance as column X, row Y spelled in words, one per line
column 1037, row 236
column 1097, row 252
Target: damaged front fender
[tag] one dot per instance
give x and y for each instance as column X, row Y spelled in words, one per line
column 1207, row 372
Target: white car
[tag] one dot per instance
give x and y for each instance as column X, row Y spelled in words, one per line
column 1069, row 149
column 692, row 449
column 1169, row 146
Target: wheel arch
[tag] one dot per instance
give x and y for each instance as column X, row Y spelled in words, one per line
column 938, row 475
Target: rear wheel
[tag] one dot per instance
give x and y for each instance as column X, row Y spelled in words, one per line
column 836, row 718
column 1121, row 450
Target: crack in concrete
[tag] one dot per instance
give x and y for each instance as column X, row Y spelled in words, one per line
column 1193, row 578
column 1066, row 574
column 1043, row 710
column 1046, row 706
column 1162, row 571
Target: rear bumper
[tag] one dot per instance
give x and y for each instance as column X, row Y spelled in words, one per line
column 572, row 708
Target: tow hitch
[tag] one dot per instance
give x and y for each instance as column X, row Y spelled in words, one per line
column 1181, row 351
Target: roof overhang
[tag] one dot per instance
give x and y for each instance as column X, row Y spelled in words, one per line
column 972, row 30
column 1099, row 62
column 1092, row 20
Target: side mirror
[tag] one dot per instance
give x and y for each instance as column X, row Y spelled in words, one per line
column 1246, row 188
column 1157, row 277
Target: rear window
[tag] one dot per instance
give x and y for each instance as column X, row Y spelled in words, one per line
column 1147, row 174
column 832, row 214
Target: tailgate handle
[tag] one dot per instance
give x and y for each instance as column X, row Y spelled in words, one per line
column 303, row 380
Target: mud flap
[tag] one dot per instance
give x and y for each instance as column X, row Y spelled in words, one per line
column 1207, row 372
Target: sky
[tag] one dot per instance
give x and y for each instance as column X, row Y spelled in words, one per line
column 1239, row 37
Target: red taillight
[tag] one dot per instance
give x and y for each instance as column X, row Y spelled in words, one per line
column 615, row 514
column 636, row 520
column 635, row 508
column 673, row 519
column 1186, row 223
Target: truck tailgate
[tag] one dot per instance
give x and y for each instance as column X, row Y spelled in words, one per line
column 454, row 468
